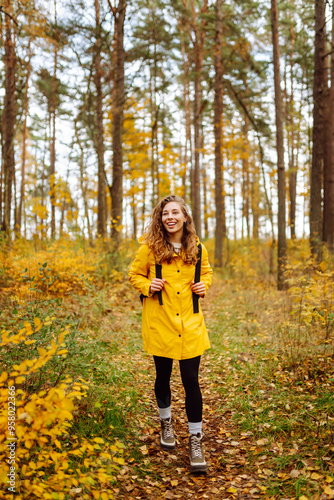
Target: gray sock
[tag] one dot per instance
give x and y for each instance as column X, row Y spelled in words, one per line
column 195, row 427
column 165, row 412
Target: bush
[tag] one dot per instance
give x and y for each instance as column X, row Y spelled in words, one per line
column 40, row 456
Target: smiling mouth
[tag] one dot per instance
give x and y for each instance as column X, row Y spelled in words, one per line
column 171, row 224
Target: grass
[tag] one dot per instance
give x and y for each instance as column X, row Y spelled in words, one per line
column 291, row 413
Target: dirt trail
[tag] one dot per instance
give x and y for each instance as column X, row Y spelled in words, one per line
column 227, row 476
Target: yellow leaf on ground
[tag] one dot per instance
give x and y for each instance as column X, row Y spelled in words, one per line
column 328, row 491
column 316, row 476
column 232, row 490
column 38, row 324
column 143, row 449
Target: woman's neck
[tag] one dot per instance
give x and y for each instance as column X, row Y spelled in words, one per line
column 175, row 238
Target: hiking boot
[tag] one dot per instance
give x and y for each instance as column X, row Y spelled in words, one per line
column 167, row 439
column 196, row 453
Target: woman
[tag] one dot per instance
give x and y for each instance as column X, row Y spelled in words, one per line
column 171, row 328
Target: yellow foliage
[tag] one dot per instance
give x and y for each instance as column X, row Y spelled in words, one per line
column 40, row 431
column 55, row 270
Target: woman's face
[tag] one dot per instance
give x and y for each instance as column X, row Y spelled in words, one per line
column 173, row 218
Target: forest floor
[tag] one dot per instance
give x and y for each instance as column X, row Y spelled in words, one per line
column 267, row 382
column 261, row 439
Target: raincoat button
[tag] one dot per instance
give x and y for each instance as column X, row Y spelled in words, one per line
column 177, row 314
column 178, row 293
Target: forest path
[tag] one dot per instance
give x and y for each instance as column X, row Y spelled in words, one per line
column 158, row 474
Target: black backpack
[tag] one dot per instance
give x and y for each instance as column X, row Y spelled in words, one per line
column 197, row 278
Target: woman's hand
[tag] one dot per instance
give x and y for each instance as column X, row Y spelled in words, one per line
column 198, row 288
column 157, row 284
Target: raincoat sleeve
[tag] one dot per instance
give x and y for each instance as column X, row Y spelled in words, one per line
column 206, row 271
column 138, row 273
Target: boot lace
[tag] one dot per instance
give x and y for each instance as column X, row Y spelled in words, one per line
column 168, row 428
column 196, row 447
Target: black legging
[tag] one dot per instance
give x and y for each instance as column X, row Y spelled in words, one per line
column 189, row 374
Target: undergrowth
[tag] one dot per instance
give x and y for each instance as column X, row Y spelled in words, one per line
column 69, row 417
column 274, row 354
column 68, row 331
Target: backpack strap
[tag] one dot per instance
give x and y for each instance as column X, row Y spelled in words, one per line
column 197, row 279
column 158, row 268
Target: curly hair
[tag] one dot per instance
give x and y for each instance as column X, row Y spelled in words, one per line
column 156, row 236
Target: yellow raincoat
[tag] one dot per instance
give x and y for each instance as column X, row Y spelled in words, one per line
column 171, row 330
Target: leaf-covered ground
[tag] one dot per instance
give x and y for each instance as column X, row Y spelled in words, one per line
column 267, row 433
column 267, row 381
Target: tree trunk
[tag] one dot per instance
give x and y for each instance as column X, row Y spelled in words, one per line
column 281, row 243
column 292, row 156
column 218, row 110
column 255, row 199
column 198, row 43
column 205, row 191
column 319, row 89
column 246, row 178
column 154, row 133
column 99, row 132
column 196, row 188
column 187, row 113
column 134, row 215
column 144, row 205
column 83, row 184
column 117, row 125
column 53, row 107
column 24, row 146
column 328, row 232
column 8, row 118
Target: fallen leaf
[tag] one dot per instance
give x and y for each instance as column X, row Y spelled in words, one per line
column 294, row 473
column 316, row 476
column 143, row 449
column 328, row 491
column 174, row 482
column 263, row 441
column 169, row 495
